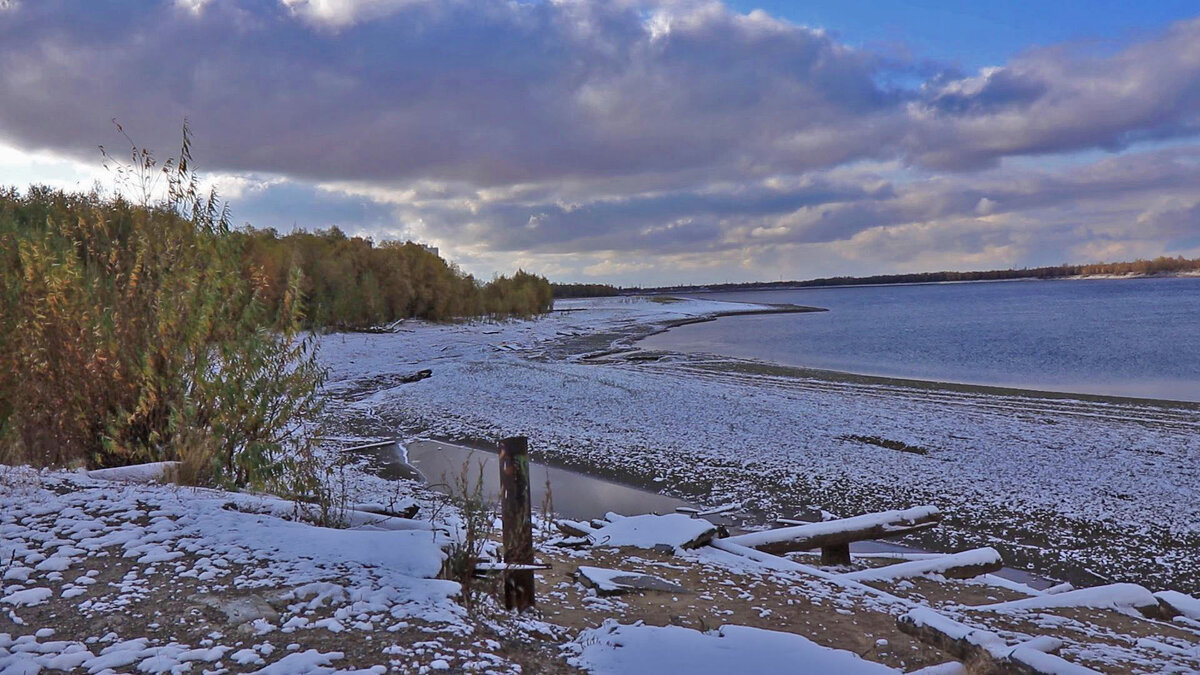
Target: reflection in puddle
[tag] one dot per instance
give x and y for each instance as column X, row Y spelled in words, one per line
column 575, row 495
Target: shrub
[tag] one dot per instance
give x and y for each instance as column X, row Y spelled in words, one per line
column 131, row 334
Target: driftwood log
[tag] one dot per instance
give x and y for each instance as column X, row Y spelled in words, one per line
column 983, row 649
column 963, row 565
column 833, row 537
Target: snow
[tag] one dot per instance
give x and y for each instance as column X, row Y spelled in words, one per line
column 979, row 557
column 223, row 542
column 620, row 649
column 1182, row 603
column 647, row 531
column 139, row 473
column 771, row 441
column 883, row 520
column 610, row 581
column 28, row 596
column 1027, row 653
column 1120, row 597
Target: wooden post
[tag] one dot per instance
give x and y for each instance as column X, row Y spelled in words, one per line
column 515, row 510
column 837, row 554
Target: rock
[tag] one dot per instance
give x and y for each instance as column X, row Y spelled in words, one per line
column 615, row 582
column 239, row 610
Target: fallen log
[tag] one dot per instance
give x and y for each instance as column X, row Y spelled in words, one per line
column 833, row 537
column 370, row 446
column 572, row 528
column 985, row 649
column 962, row 565
column 1129, row 599
column 415, row 377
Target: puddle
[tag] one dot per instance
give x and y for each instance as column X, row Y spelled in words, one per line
column 576, row 496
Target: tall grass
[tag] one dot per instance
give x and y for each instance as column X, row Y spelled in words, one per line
column 129, row 333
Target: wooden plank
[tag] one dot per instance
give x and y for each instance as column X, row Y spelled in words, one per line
column 371, row 446
column 516, row 512
column 962, row 565
column 985, row 650
column 836, row 533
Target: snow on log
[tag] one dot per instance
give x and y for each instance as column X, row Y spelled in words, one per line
column 984, row 647
column 410, row 510
column 1120, row 597
column 572, row 528
column 836, row 533
column 954, row 566
column 485, row 567
column 1059, row 588
column 648, row 531
column 153, row 472
column 371, row 446
column 1176, row 604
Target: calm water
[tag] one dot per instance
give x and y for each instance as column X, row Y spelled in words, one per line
column 575, row 495
column 1136, row 338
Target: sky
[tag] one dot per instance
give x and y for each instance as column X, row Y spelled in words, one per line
column 642, row 142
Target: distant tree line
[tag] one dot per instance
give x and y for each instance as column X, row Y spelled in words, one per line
column 584, row 290
column 352, row 283
column 1160, row 265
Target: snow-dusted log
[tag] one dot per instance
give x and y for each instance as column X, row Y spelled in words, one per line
column 984, row 648
column 1123, row 598
column 573, row 528
column 371, row 446
column 954, row 566
column 153, row 472
column 673, row 530
column 1176, row 604
column 837, row 534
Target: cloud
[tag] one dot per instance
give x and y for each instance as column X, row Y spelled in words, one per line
column 613, row 137
column 1060, row 100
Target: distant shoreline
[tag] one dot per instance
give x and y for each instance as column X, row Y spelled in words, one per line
column 807, row 285
column 775, row 368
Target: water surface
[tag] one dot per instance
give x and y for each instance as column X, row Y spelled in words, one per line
column 1128, row 337
column 574, row 495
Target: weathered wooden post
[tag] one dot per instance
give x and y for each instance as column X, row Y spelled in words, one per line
column 518, row 522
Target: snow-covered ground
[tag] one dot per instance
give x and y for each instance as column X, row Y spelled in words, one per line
column 1093, row 491
column 101, row 576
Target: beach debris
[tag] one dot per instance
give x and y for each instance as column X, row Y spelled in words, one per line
column 833, row 537
column 1123, row 598
column 987, row 650
column 701, row 513
column 415, row 377
column 153, row 472
column 615, row 582
column 962, row 565
column 886, row 443
column 649, row 531
column 1176, row 604
column 238, row 611
column 372, row 445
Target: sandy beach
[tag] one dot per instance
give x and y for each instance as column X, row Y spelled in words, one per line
column 1057, row 482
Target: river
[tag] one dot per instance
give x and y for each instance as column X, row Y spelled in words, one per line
column 1117, row 337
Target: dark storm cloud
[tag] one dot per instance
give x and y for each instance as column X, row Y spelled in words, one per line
column 655, row 126
column 490, row 92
